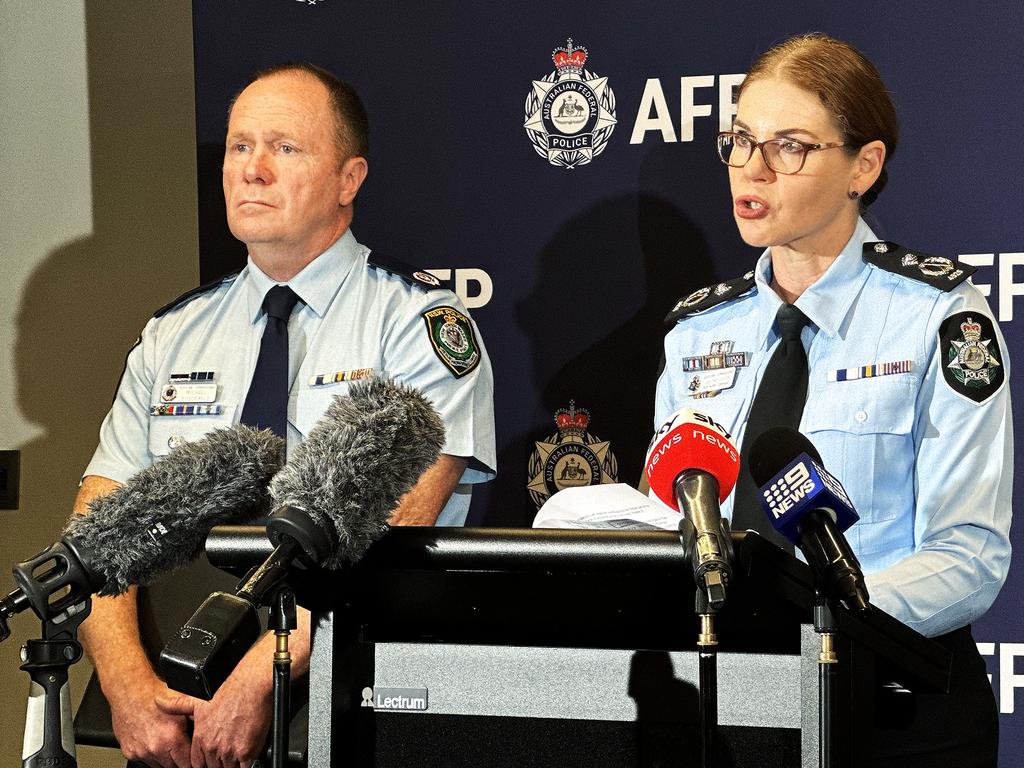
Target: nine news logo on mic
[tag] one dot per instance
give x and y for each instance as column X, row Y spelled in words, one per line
column 803, row 484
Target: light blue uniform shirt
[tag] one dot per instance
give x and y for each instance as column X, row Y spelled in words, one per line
column 353, row 317
column 929, row 470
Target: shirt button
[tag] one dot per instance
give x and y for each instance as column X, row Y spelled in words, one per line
column 175, row 441
column 861, row 416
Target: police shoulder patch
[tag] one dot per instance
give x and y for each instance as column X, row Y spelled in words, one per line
column 937, row 271
column 187, row 296
column 404, row 270
column 710, row 296
column 453, row 339
column 972, row 362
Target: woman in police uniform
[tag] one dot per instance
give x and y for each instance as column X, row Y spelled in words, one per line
column 907, row 385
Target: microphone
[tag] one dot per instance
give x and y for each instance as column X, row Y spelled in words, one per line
column 153, row 523
column 159, row 519
column 350, row 472
column 810, row 508
column 331, row 501
column 692, row 466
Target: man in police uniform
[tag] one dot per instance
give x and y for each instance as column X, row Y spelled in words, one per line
column 294, row 162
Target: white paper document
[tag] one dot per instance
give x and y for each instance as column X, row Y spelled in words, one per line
column 608, row 506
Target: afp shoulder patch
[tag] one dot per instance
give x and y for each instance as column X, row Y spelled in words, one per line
column 404, row 270
column 971, row 360
column 187, row 296
column 937, row 271
column 453, row 339
column 710, row 296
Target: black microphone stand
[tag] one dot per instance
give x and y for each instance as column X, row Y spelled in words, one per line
column 58, row 589
column 709, row 599
column 707, row 665
column 709, row 552
column 208, row 648
column 825, row 626
column 267, row 585
column 282, row 621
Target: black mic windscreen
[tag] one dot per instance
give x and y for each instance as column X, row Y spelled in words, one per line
column 774, row 449
column 366, row 452
column 158, row 520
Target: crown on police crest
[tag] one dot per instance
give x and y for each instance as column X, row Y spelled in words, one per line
column 573, row 421
column 569, row 59
column 971, row 330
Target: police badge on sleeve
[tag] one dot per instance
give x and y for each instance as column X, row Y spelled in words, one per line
column 452, row 337
column 972, row 362
column 570, row 112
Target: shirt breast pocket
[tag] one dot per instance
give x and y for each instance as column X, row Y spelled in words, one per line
column 168, row 432
column 307, row 407
column 863, row 430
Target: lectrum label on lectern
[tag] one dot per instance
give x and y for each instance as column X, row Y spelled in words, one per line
column 396, row 699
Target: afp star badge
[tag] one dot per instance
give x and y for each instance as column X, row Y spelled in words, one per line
column 452, row 337
column 570, row 112
column 569, row 458
column 972, row 363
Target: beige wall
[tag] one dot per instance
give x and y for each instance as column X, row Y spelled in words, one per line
column 97, row 229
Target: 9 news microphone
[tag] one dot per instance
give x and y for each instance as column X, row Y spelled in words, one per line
column 810, row 508
column 692, row 466
column 331, row 501
column 155, row 522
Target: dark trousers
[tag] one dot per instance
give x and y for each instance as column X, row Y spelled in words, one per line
column 961, row 729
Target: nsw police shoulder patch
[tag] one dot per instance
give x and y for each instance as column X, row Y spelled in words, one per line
column 971, row 360
column 452, row 337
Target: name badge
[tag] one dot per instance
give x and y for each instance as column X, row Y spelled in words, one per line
column 189, row 392
column 712, row 381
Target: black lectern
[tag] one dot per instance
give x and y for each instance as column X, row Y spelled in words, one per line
column 514, row 647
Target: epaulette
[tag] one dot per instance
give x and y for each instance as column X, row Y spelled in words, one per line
column 710, row 296
column 187, row 296
column 937, row 271
column 404, row 270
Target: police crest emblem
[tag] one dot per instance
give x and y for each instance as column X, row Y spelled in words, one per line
column 452, row 337
column 569, row 458
column 570, row 112
column 972, row 364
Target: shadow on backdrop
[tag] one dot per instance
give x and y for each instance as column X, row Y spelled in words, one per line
column 656, row 252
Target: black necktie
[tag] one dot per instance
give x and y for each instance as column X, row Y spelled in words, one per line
column 266, row 405
column 778, row 402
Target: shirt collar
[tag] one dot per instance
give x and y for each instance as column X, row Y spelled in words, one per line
column 828, row 300
column 318, row 282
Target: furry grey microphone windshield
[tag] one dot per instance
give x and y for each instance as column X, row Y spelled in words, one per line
column 366, row 452
column 158, row 520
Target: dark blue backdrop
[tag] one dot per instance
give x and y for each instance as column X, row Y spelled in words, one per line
column 585, row 262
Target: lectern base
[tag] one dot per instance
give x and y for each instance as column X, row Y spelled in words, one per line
column 465, row 741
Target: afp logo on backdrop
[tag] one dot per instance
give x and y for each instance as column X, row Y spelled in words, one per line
column 570, row 112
